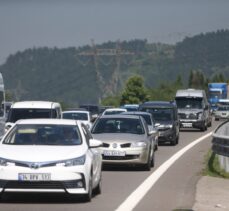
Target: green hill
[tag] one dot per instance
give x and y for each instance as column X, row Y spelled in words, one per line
column 68, row 76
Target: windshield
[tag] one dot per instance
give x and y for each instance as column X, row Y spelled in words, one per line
column 160, row 114
column 223, row 108
column 16, row 114
column 189, row 103
column 112, row 112
column 118, row 125
column 215, row 94
column 76, row 116
column 44, row 135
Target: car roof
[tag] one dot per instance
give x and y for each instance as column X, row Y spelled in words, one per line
column 136, row 113
column 34, row 104
column 78, row 111
column 119, row 116
column 48, row 121
column 115, row 109
column 163, row 104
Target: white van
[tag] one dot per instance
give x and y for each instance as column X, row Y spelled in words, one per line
column 193, row 109
column 33, row 110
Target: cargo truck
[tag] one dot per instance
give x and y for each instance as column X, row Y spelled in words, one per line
column 216, row 91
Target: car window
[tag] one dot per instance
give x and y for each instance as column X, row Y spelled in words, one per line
column 44, row 135
column 16, row 114
column 76, row 116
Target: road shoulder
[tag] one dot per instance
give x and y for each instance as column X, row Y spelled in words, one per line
column 212, row 194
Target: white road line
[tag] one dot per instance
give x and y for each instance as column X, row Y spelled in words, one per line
column 131, row 202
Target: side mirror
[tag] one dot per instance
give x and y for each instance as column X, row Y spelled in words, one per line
column 8, row 125
column 153, row 132
column 93, row 143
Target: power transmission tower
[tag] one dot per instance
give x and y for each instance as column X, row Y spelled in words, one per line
column 112, row 86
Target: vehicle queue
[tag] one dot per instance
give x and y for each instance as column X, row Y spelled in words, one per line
column 47, row 150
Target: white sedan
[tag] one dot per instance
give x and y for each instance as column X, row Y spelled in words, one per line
column 50, row 155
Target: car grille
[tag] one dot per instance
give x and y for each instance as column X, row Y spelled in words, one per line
column 39, row 184
column 188, row 116
column 163, row 129
column 127, row 157
column 106, row 145
column 125, row 145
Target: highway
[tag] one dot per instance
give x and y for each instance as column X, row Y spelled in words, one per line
column 174, row 189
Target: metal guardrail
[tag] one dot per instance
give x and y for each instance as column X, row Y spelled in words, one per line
column 220, row 141
column 220, row 145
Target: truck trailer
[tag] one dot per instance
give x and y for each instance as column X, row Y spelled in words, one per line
column 216, row 91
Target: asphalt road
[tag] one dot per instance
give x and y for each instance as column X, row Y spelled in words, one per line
column 174, row 189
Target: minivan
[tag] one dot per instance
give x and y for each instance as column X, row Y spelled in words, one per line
column 193, row 109
column 33, row 110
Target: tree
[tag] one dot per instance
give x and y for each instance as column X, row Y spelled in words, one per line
column 134, row 91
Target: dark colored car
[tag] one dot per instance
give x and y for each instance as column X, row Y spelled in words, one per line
column 166, row 119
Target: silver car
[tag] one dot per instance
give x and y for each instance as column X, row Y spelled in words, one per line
column 222, row 113
column 126, row 140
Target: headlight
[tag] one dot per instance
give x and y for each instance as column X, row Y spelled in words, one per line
column 169, row 126
column 73, row 162
column 200, row 115
column 139, row 144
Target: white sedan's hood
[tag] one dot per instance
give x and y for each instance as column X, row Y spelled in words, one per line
column 37, row 153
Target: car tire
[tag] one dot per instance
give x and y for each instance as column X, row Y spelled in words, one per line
column 177, row 139
column 87, row 197
column 147, row 166
column 153, row 160
column 98, row 188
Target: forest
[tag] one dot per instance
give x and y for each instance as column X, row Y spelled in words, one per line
column 92, row 73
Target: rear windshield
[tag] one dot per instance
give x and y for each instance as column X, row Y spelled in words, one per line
column 76, row 116
column 161, row 114
column 44, row 135
column 16, row 114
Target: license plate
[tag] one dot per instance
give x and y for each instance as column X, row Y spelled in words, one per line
column 34, row 177
column 114, row 153
column 187, row 124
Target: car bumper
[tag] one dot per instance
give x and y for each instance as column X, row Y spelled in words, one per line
column 191, row 123
column 130, row 156
column 70, row 180
column 221, row 116
column 166, row 135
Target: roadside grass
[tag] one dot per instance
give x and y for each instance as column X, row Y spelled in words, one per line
column 212, row 166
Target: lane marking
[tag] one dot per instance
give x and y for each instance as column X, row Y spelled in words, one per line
column 136, row 196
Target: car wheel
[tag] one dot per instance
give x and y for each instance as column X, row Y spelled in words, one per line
column 177, row 139
column 153, row 160
column 147, row 166
column 87, row 197
column 98, row 189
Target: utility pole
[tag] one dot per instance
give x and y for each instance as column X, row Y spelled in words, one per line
column 112, row 86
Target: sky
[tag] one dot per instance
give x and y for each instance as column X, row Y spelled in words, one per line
column 64, row 23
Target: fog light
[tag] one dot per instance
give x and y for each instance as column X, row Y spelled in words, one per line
column 80, row 184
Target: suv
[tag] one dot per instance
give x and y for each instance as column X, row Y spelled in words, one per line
column 166, row 119
column 193, row 109
column 33, row 110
